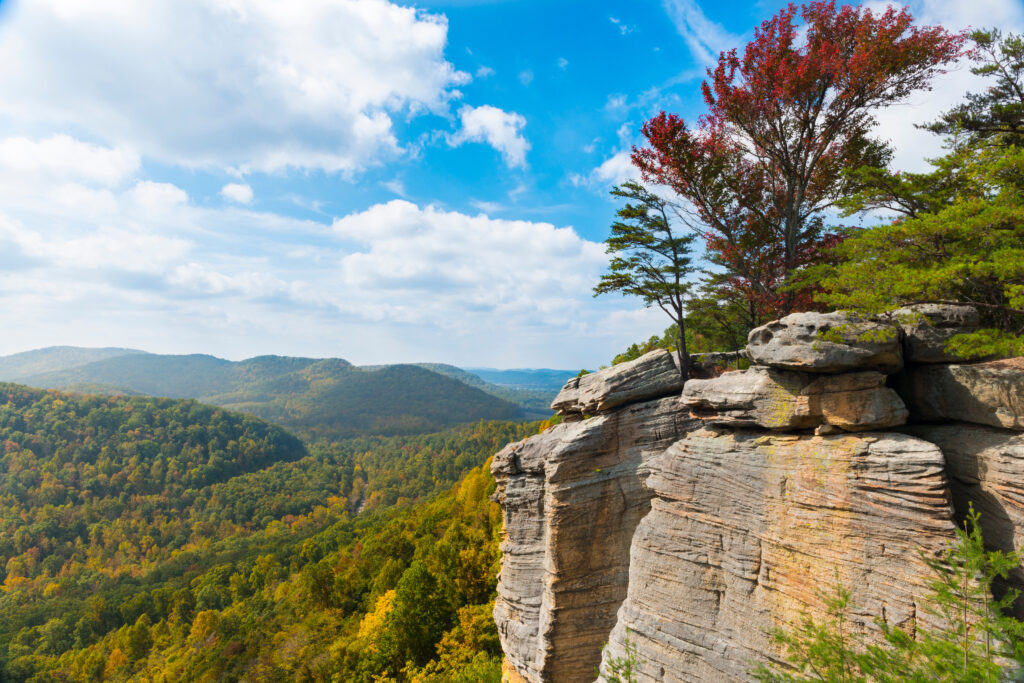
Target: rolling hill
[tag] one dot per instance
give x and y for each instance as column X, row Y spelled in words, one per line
column 20, row 365
column 328, row 398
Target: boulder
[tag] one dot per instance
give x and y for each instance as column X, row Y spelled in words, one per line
column 748, row 531
column 652, row 375
column 856, row 402
column 927, row 328
column 989, row 393
column 799, row 342
column 787, row 400
column 571, row 498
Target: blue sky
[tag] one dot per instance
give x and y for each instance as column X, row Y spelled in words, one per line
column 360, row 179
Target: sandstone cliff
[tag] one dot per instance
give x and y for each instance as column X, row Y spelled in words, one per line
column 693, row 521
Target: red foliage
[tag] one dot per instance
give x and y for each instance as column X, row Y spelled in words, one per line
column 783, row 121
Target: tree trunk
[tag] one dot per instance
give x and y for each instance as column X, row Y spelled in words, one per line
column 681, row 352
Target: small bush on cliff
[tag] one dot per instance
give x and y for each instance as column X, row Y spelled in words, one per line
column 622, row 669
column 979, row 642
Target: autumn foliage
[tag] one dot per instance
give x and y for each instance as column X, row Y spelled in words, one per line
column 757, row 173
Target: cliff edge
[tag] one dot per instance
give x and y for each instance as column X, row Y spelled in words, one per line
column 690, row 522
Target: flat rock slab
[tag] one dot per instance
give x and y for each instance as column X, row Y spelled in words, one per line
column 652, row 375
column 928, row 327
column 788, row 400
column 571, row 498
column 826, row 342
column 746, row 531
column 989, row 393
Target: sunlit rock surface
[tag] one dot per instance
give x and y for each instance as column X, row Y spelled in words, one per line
column 826, row 342
column 572, row 497
column 652, row 375
column 746, row 528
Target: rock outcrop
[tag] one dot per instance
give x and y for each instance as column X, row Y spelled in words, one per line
column 826, row 342
column 745, row 529
column 653, row 374
column 928, row 327
column 693, row 521
column 787, row 400
column 572, row 497
column 984, row 393
column 986, row 469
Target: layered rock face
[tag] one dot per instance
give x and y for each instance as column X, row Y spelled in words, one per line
column 572, row 497
column 692, row 522
column 745, row 530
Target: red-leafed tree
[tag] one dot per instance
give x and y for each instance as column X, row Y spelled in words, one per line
column 758, row 172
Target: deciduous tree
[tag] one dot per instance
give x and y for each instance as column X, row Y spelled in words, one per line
column 756, row 174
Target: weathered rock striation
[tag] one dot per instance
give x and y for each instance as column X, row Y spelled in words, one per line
column 787, row 399
column 572, row 497
column 745, row 530
column 693, row 521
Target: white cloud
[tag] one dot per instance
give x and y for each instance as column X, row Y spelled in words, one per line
column 60, row 157
column 105, row 248
column 484, row 72
column 563, row 63
column 239, row 193
column 526, row 76
column 156, row 198
column 704, row 37
column 421, row 264
column 247, row 84
column 624, row 28
column 896, row 124
column 616, row 170
column 499, row 129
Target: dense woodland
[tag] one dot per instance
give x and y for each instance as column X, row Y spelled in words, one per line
column 172, row 540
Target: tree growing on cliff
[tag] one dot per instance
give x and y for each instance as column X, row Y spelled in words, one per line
column 977, row 642
column 757, row 173
column 650, row 259
column 958, row 233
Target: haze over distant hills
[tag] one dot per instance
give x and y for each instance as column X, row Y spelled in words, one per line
column 318, row 397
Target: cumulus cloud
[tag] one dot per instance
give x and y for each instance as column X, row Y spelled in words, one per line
column 425, row 263
column 244, row 84
column 498, row 128
column 239, row 193
column 61, row 157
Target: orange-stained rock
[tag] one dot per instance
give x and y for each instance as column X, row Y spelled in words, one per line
column 746, row 529
column 509, row 673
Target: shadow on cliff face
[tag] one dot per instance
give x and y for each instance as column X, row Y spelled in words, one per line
column 985, row 468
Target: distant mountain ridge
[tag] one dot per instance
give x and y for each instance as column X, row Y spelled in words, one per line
column 28, row 363
column 329, row 398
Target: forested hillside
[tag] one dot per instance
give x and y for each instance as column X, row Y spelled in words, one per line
column 178, row 541
column 327, row 398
